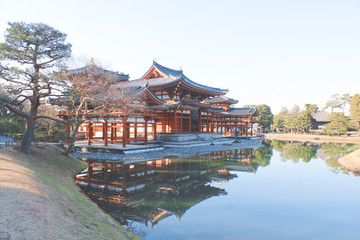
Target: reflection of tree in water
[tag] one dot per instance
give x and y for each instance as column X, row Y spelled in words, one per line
column 295, row 151
column 278, row 145
column 331, row 152
column 262, row 156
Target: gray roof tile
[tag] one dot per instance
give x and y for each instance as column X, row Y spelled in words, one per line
column 322, row 116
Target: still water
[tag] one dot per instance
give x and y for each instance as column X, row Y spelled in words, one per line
column 281, row 191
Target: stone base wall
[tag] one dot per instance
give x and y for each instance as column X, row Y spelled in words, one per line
column 188, row 137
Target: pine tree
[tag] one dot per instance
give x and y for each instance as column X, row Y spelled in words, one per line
column 29, row 56
column 355, row 110
column 339, row 124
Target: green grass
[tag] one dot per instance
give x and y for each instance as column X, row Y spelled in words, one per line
column 57, row 171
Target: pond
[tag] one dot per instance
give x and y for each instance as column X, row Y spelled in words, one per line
column 280, row 191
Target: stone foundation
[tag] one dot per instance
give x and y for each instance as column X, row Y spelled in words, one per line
column 188, row 137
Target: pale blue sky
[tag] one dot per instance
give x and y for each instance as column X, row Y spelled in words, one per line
column 278, row 53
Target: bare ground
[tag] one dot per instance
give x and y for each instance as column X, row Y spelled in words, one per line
column 314, row 138
column 39, row 199
column 351, row 161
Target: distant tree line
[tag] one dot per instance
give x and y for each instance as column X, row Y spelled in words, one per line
column 295, row 120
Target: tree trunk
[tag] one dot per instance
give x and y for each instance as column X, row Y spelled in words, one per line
column 72, row 138
column 28, row 137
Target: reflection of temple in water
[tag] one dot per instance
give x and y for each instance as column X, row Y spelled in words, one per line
column 153, row 190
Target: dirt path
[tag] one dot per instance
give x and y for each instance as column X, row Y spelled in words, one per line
column 26, row 212
column 39, row 200
column 313, row 138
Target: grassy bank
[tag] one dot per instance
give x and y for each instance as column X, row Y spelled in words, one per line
column 314, row 138
column 39, row 199
column 351, row 161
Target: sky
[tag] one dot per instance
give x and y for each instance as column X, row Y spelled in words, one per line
column 274, row 52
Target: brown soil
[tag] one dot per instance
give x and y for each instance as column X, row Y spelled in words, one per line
column 39, row 199
column 314, row 138
column 351, row 161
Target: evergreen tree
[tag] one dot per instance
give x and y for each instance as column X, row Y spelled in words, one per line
column 345, row 99
column 279, row 120
column 265, row 117
column 290, row 119
column 333, row 102
column 338, row 124
column 311, row 108
column 355, row 110
column 29, row 56
column 305, row 122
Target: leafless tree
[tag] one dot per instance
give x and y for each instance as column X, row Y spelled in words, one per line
column 47, row 123
column 88, row 91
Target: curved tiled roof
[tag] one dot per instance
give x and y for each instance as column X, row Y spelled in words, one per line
column 241, row 112
column 220, row 99
column 99, row 70
column 178, row 75
column 168, row 71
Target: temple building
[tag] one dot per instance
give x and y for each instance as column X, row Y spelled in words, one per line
column 169, row 107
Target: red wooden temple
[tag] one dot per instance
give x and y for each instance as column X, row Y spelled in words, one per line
column 174, row 106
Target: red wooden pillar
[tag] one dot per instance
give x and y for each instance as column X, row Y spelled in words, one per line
column 155, row 130
column 128, row 132
column 246, row 126
column 163, row 126
column 200, row 121
column 135, row 129
column 224, row 127
column 181, row 121
column 115, row 130
column 90, row 132
column 105, row 131
column 112, row 132
column 251, row 131
column 207, row 123
column 212, row 124
column 174, row 128
column 241, row 127
column 190, row 122
column 124, row 132
column 146, row 131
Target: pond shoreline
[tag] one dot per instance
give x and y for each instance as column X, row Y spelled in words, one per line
column 350, row 162
column 313, row 138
